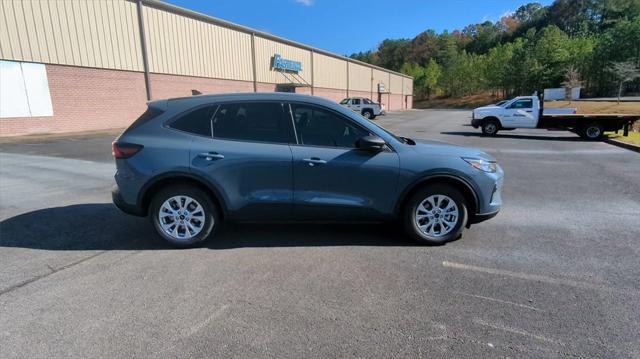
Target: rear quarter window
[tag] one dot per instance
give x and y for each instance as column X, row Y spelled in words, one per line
column 197, row 122
column 146, row 116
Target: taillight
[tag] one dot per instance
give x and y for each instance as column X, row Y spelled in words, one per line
column 124, row 150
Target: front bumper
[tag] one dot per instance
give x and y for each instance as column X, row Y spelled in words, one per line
column 476, row 122
column 491, row 197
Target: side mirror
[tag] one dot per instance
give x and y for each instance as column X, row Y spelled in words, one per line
column 370, row 143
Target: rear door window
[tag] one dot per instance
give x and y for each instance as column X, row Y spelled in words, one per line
column 253, row 121
column 197, row 122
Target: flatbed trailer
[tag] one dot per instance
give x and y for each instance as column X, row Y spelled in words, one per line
column 528, row 112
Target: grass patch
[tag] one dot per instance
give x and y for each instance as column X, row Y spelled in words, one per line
column 634, row 137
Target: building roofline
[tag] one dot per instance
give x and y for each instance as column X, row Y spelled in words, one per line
column 214, row 20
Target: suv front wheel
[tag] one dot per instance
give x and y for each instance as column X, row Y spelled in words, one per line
column 184, row 216
column 435, row 215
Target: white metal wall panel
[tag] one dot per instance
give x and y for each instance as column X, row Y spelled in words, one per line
column 24, row 90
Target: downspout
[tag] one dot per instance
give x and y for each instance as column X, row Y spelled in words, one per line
column 143, row 44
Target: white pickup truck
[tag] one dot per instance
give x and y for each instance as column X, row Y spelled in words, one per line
column 528, row 112
column 363, row 106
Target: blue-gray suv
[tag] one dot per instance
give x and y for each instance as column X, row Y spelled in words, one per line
column 190, row 163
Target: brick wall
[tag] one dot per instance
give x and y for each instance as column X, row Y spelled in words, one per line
column 167, row 86
column 331, row 94
column 84, row 99
column 396, row 103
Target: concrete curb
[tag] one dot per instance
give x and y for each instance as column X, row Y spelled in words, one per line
column 625, row 145
column 59, row 136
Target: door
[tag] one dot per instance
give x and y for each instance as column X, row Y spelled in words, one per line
column 519, row 114
column 356, row 105
column 248, row 158
column 333, row 180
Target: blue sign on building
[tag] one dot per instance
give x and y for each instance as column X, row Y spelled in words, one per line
column 278, row 62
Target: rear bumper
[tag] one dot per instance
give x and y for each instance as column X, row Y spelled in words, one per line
column 125, row 207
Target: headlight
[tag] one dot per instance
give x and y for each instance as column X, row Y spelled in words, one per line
column 482, row 165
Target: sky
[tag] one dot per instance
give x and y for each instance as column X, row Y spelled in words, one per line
column 348, row 26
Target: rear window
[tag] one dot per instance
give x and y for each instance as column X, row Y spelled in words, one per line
column 253, row 121
column 367, row 101
column 197, row 122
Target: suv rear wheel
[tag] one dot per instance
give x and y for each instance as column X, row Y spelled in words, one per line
column 184, row 216
column 368, row 114
column 435, row 215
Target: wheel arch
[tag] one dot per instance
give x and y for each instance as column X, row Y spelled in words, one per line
column 462, row 185
column 172, row 179
column 491, row 118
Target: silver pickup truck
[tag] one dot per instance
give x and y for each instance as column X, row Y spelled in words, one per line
column 363, row 106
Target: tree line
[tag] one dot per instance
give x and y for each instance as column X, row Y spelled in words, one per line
column 570, row 42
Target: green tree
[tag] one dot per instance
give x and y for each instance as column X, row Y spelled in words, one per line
column 432, row 74
column 418, row 73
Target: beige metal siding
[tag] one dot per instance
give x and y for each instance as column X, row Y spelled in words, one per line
column 98, row 33
column 380, row 77
column 329, row 72
column 407, row 83
column 395, row 86
column 359, row 77
column 184, row 46
column 265, row 49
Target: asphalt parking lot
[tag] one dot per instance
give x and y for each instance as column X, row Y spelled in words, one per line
column 555, row 274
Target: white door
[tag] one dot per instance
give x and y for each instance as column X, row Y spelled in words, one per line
column 520, row 114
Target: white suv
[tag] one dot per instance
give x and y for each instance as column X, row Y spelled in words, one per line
column 363, row 105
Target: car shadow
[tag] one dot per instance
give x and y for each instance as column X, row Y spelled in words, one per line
column 100, row 226
column 519, row 137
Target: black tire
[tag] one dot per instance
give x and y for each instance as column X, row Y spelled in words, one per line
column 211, row 217
column 368, row 114
column 411, row 209
column 490, row 127
column 591, row 132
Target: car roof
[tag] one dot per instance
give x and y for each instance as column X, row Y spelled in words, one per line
column 196, row 100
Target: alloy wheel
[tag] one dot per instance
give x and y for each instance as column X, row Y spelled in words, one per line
column 181, row 217
column 437, row 215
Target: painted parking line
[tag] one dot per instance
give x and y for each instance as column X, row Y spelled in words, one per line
column 539, row 278
column 513, row 330
column 500, row 301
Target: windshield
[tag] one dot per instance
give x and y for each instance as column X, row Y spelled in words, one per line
column 344, row 102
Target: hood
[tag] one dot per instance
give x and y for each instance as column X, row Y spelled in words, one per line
column 485, row 108
column 447, row 149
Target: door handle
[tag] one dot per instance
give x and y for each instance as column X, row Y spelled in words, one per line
column 529, row 111
column 313, row 161
column 210, row 156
